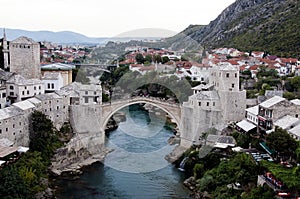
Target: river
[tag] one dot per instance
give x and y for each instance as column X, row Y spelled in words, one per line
column 135, row 169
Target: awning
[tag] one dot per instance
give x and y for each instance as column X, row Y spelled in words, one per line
column 266, row 148
column 5, row 151
column 245, row 125
column 23, row 149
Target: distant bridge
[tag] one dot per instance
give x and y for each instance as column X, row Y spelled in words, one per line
column 97, row 66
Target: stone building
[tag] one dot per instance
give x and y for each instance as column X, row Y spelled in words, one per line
column 20, row 88
column 54, row 106
column 273, row 109
column 52, row 81
column 14, row 125
column 65, row 70
column 214, row 105
column 24, row 57
column 81, row 94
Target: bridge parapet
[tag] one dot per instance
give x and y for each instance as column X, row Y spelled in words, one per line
column 172, row 109
column 146, row 99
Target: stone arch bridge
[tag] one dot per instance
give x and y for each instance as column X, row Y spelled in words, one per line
column 172, row 109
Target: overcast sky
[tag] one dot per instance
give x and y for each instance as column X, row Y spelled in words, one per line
column 98, row 18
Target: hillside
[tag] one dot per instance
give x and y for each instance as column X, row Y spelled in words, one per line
column 265, row 25
column 57, row 37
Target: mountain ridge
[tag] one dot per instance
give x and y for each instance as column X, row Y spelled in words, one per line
column 266, row 25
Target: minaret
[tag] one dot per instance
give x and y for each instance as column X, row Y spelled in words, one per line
column 5, row 50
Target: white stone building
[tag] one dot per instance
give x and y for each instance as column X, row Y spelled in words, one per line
column 81, row 94
column 65, row 70
column 19, row 88
column 52, row 81
column 199, row 73
column 251, row 114
column 14, row 125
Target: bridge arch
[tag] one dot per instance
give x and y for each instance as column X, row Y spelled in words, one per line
column 108, row 110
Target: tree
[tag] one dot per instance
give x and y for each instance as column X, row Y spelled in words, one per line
column 157, row 58
column 12, row 185
column 165, row 59
column 148, row 58
column 198, row 170
column 282, row 142
column 42, row 135
column 139, row 58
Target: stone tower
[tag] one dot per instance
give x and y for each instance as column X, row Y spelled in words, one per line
column 5, row 50
column 225, row 78
column 25, row 57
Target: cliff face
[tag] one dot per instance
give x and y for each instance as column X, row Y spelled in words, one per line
column 267, row 25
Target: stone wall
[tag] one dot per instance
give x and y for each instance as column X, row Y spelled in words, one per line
column 195, row 122
column 233, row 105
column 25, row 58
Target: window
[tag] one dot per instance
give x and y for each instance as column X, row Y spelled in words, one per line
column 95, row 93
column 39, row 87
column 27, row 92
column 34, row 88
column 3, row 95
column 6, row 129
column 25, row 87
column 11, row 87
column 199, row 103
column 23, row 92
column 296, row 116
column 207, row 103
column 86, row 100
column 14, row 125
column 52, row 86
column 86, row 92
column 227, row 75
column 0, row 131
column 57, row 108
column 48, row 85
column 11, row 93
column 235, row 75
column 232, row 85
column 214, row 103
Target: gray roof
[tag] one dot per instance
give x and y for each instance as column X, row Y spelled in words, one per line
column 51, row 76
column 57, row 66
column 286, row 122
column 272, row 101
column 23, row 40
column 245, row 125
column 207, row 95
column 48, row 96
column 20, row 80
column 296, row 102
column 202, row 86
column 4, row 75
column 34, row 100
column 24, row 105
column 227, row 67
column 253, row 110
column 9, row 112
column 295, row 130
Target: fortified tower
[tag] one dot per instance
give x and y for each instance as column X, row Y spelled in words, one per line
column 25, row 57
column 225, row 78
